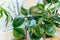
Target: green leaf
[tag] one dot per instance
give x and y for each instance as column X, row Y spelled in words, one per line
column 37, row 9
column 2, row 10
column 1, row 13
column 36, row 14
column 17, row 21
column 57, row 24
column 30, row 24
column 34, row 37
column 32, row 9
column 54, row 6
column 38, row 31
column 7, row 16
column 52, row 1
column 40, row 6
column 55, row 1
column 56, row 18
column 18, row 33
column 47, row 6
column 38, row 19
column 24, row 11
column 49, row 1
column 50, row 29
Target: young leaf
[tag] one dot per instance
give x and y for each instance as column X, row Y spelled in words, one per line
column 24, row 11
column 17, row 21
column 18, row 33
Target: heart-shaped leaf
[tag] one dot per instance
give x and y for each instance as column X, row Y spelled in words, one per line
column 24, row 11
column 36, row 10
column 18, row 33
column 17, row 21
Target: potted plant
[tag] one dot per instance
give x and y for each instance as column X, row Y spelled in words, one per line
column 39, row 20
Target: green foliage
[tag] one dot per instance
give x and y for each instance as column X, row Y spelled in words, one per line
column 56, row 18
column 3, row 11
column 40, row 6
column 50, row 29
column 34, row 37
column 24, row 11
column 52, row 1
column 45, row 19
column 18, row 33
column 1, row 14
column 38, row 31
column 37, row 10
column 18, row 21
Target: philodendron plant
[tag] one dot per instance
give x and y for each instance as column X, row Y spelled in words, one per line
column 39, row 20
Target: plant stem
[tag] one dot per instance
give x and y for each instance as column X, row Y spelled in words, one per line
column 26, row 31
